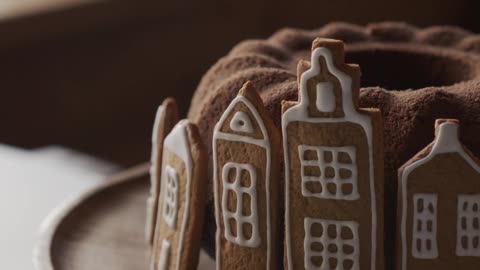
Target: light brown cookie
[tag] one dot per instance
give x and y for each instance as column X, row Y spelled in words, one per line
column 182, row 200
column 247, row 156
column 333, row 168
column 438, row 224
column 165, row 119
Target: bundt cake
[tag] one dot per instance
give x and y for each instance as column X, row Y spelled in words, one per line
column 413, row 75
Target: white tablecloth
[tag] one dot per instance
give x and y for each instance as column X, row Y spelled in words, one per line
column 32, row 183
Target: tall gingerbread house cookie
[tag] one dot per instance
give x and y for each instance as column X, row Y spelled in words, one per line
column 165, row 119
column 182, row 200
column 439, row 205
column 333, row 168
column 247, row 150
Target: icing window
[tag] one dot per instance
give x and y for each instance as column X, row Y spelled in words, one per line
column 239, row 204
column 170, row 202
column 331, row 244
column 325, row 97
column 468, row 227
column 164, row 255
column 329, row 172
column 424, row 238
column 241, row 123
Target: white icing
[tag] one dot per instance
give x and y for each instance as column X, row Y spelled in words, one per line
column 446, row 141
column 335, row 166
column 154, row 181
column 299, row 112
column 177, row 143
column 424, row 226
column 265, row 143
column 468, row 225
column 240, row 191
column 324, row 246
column 164, row 255
column 170, row 201
column 325, row 97
column 241, row 123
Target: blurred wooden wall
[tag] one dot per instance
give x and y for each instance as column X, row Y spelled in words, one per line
column 90, row 76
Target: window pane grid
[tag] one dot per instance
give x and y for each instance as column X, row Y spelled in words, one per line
column 170, row 203
column 333, row 172
column 468, row 228
column 236, row 221
column 424, row 237
column 331, row 244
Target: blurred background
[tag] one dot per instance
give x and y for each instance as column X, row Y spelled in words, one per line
column 80, row 81
column 89, row 74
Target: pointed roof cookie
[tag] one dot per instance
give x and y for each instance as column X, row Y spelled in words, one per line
column 246, row 157
column 166, row 117
column 182, row 200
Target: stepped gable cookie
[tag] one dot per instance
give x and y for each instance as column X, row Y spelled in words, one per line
column 182, row 200
column 165, row 119
column 439, row 205
column 334, row 178
column 247, row 156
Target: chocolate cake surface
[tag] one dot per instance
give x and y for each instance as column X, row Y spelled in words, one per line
column 413, row 75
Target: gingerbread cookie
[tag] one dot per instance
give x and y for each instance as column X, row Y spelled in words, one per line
column 182, row 200
column 333, row 168
column 246, row 158
column 165, row 119
column 439, row 205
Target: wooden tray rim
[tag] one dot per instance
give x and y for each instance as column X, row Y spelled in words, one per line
column 42, row 252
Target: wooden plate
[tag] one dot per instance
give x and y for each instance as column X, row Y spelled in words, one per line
column 102, row 229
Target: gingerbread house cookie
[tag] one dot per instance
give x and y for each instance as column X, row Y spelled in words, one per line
column 165, row 119
column 439, row 205
column 246, row 156
column 333, row 168
column 182, row 200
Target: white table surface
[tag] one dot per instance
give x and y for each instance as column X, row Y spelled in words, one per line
column 17, row 8
column 32, row 184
